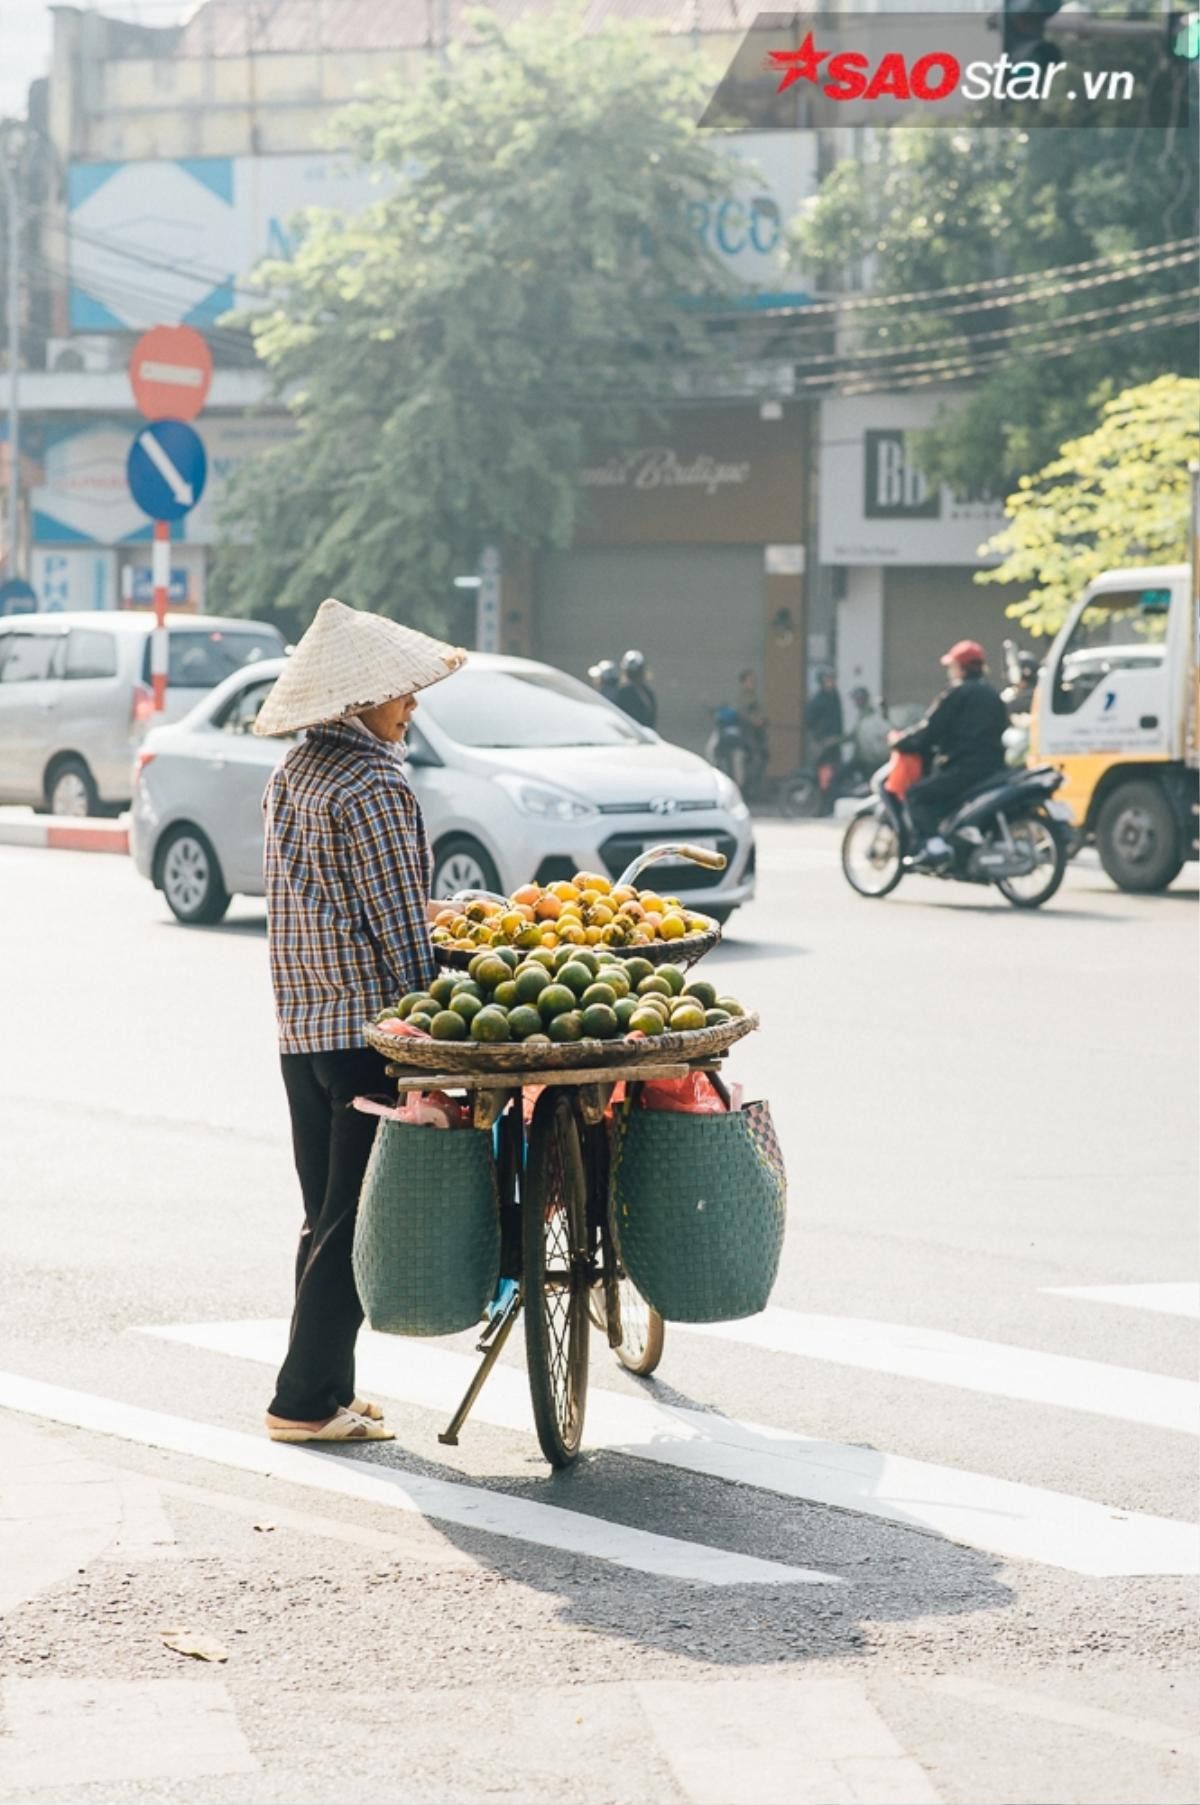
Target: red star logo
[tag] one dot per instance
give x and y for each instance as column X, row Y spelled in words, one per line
column 797, row 65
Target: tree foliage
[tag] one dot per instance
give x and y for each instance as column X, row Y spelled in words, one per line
column 452, row 356
column 934, row 207
column 1117, row 496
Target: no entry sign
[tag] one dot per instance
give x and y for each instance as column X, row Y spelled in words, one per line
column 170, row 372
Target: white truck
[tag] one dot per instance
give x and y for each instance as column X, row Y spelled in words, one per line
column 1116, row 712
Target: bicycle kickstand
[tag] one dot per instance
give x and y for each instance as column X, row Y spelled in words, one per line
column 489, row 1344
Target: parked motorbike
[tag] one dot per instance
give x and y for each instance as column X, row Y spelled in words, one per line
column 814, row 789
column 1007, row 831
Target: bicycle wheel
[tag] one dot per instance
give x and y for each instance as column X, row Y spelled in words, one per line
column 557, row 1277
column 641, row 1345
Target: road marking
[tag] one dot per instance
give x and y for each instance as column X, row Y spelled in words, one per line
column 1059, row 1711
column 112, row 1732
column 1176, row 1299
column 796, row 1739
column 58, row 1512
column 1000, row 1516
column 994, row 1367
column 471, row 1507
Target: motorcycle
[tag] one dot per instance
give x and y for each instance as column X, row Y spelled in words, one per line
column 814, row 789
column 1005, row 831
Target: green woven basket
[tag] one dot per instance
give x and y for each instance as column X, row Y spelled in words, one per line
column 697, row 1207
column 427, row 1241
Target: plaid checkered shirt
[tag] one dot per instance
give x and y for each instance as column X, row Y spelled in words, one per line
column 347, row 871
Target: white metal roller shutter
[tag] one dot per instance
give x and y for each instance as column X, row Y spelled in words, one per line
column 695, row 611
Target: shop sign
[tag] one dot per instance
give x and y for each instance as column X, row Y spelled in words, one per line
column 661, row 467
column 876, row 505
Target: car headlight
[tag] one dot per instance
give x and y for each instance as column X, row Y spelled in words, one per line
column 544, row 801
column 730, row 797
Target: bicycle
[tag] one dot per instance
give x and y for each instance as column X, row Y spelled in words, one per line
column 559, row 1265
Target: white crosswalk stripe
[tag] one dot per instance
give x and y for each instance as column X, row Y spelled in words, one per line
column 999, row 1516
column 986, row 1366
column 471, row 1507
column 1176, row 1298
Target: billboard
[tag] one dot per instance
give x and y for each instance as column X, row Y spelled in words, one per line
column 173, row 242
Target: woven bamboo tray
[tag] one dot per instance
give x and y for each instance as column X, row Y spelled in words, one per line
column 659, row 952
column 516, row 1056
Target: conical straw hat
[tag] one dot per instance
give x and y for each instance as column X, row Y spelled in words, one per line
column 349, row 660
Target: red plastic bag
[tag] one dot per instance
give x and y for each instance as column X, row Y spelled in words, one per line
column 695, row 1095
column 904, row 769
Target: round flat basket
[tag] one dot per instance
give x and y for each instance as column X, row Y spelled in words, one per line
column 572, row 1055
column 659, row 952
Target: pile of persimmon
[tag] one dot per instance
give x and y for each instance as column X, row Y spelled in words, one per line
column 586, row 910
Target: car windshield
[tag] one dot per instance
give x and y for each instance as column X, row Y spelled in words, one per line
column 526, row 708
column 202, row 657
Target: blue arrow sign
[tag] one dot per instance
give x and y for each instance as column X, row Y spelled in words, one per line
column 166, row 469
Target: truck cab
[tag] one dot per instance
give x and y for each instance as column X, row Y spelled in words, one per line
column 1115, row 712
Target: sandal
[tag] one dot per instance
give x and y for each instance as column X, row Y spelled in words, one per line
column 346, row 1426
column 361, row 1407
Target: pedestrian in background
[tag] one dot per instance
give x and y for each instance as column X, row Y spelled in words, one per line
column 347, row 872
column 635, row 695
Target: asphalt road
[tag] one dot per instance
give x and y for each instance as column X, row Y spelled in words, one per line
column 916, row 1535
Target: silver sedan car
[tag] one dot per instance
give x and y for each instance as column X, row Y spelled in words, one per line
column 522, row 771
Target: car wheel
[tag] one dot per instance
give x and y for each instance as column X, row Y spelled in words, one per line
column 461, row 863
column 189, row 876
column 71, row 789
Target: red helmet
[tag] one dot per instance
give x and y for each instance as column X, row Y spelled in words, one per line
column 966, row 652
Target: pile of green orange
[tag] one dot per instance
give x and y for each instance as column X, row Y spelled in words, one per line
column 563, row 994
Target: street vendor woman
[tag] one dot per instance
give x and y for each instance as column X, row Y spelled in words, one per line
column 347, row 873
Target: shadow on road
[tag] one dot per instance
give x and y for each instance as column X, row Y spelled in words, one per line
column 893, row 1572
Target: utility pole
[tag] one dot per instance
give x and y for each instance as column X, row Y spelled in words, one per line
column 14, row 345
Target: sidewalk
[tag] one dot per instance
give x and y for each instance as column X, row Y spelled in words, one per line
column 60, row 833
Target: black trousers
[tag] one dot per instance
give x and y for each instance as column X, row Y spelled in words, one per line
column 331, row 1142
column 933, row 798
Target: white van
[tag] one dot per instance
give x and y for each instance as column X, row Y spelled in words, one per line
column 76, row 697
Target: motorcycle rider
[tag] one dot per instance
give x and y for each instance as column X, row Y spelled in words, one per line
column 606, row 678
column 635, row 695
column 965, row 729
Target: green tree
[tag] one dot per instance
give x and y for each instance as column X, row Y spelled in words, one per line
column 1119, row 495
column 452, row 356
column 936, row 207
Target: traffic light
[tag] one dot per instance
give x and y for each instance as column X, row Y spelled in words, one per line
column 1025, row 39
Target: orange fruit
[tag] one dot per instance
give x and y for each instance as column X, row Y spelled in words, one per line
column 591, row 936
column 652, row 902
column 601, row 915
column 564, row 891
column 550, row 937
column 674, row 927
column 624, row 893
column 511, row 922
column 572, row 933
column 547, row 908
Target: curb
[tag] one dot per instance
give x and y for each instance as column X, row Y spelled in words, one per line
column 60, row 836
